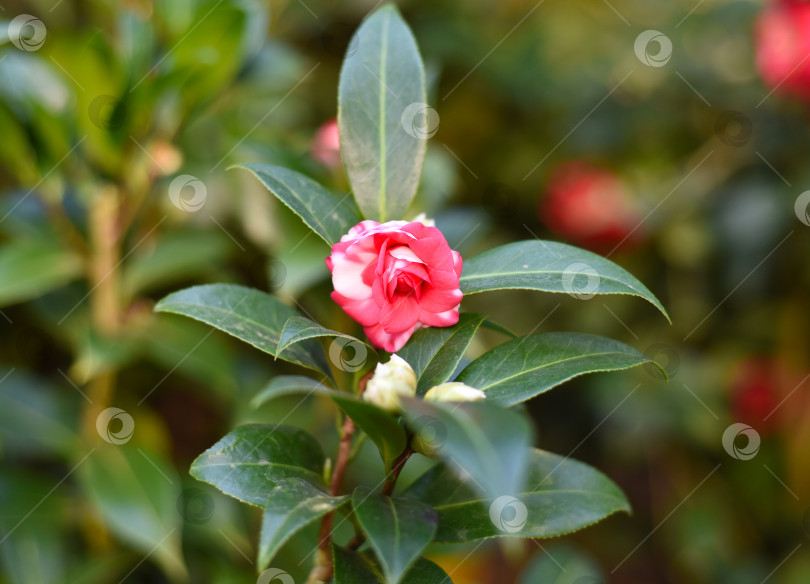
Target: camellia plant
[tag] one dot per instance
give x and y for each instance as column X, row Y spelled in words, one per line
column 401, row 387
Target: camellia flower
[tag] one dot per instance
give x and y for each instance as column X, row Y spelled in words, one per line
column 454, row 391
column 326, row 144
column 783, row 46
column 396, row 277
column 390, row 381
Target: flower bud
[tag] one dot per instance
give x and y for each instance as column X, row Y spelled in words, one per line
column 455, row 391
column 423, row 219
column 391, row 380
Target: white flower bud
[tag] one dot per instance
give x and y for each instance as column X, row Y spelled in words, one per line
column 422, row 218
column 390, row 381
column 455, row 392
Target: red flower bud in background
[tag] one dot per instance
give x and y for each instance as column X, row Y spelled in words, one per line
column 589, row 206
column 326, row 145
column 783, row 46
column 754, row 392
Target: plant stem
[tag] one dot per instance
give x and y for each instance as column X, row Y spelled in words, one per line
column 396, row 468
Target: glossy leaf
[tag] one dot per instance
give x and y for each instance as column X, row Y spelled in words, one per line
column 292, row 505
column 249, row 315
column 380, row 96
column 300, row 328
column 30, row 268
column 245, row 462
column 562, row 495
column 489, row 443
column 354, row 568
column 398, row 530
column 328, row 216
column 522, row 368
column 549, row 266
column 435, row 352
column 136, row 492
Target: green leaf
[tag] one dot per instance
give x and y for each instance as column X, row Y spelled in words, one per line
column 292, row 505
column 522, row 368
column 30, row 268
column 136, row 492
column 245, row 462
column 354, row 568
column 562, row 564
column 382, row 81
column 489, row 443
column 282, row 385
column 398, row 530
column 435, row 352
column 249, row 315
column 562, row 495
column 324, row 213
column 549, row 266
column 300, row 328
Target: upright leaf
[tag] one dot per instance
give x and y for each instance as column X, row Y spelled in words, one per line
column 435, row 352
column 397, row 529
column 245, row 462
column 292, row 505
column 562, row 495
column 549, row 266
column 249, row 315
column 482, row 440
column 381, row 95
column 522, row 368
column 328, row 216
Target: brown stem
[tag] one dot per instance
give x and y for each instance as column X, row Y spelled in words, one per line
column 396, row 468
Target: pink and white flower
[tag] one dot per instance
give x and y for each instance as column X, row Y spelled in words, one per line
column 394, row 278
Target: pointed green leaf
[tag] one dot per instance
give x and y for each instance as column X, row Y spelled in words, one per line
column 522, row 368
column 562, row 495
column 354, row 568
column 249, row 315
column 300, row 328
column 327, row 215
column 245, row 462
column 435, row 352
column 489, row 443
column 549, row 266
column 381, row 93
column 292, row 505
column 287, row 385
column 398, row 530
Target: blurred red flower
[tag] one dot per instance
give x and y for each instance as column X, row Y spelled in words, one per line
column 590, row 206
column 326, row 145
column 783, row 46
column 755, row 387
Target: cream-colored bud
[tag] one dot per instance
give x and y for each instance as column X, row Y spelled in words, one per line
column 423, row 219
column 390, row 381
column 455, row 392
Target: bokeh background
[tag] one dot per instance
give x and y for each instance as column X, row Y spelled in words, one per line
column 680, row 153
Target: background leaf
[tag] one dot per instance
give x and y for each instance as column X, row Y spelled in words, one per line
column 522, row 368
column 32, row 267
column 549, row 266
column 382, row 75
column 245, row 462
column 397, row 529
column 354, row 568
